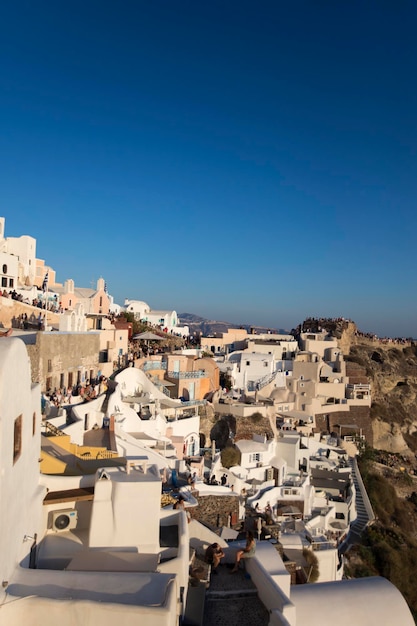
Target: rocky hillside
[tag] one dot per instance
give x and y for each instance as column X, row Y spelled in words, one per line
column 391, row 368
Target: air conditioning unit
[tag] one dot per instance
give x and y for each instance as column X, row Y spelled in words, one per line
column 64, row 520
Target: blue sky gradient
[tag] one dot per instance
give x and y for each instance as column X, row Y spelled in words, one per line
column 248, row 162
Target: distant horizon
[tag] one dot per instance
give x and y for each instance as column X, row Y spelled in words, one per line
column 255, row 163
column 281, row 329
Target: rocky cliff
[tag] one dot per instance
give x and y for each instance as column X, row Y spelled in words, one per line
column 391, row 367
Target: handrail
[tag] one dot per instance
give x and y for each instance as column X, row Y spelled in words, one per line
column 261, row 382
column 365, row 498
column 53, row 429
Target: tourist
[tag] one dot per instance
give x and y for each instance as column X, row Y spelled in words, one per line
column 192, row 480
column 180, row 504
column 248, row 551
column 268, row 514
column 213, row 556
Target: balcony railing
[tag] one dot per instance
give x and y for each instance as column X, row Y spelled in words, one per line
column 154, row 365
column 359, row 387
column 193, row 403
column 199, row 374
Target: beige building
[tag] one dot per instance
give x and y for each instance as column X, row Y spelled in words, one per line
column 233, row 339
column 188, row 377
column 94, row 301
column 320, row 343
column 41, row 271
column 63, row 359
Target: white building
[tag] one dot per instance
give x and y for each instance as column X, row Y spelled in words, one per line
column 98, row 549
column 164, row 319
column 74, row 559
column 248, row 370
column 18, row 259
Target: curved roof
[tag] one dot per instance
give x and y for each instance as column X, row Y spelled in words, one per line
column 280, row 394
column 360, row 601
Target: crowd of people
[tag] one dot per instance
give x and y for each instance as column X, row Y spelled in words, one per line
column 384, row 340
column 64, row 396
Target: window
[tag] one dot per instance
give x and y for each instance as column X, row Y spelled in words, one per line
column 11, row 282
column 247, row 362
column 101, row 301
column 17, row 438
column 69, row 379
column 61, row 381
column 49, row 365
column 4, row 282
column 4, row 269
column 34, row 424
column 265, row 364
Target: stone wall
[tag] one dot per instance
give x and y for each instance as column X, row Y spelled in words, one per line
column 215, row 510
column 356, row 373
column 57, row 355
column 358, row 418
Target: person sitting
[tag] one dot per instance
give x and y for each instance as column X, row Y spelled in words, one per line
column 180, row 504
column 213, row 556
column 192, row 479
column 247, row 552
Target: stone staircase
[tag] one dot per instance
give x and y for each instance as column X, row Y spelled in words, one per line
column 365, row 514
column 233, row 599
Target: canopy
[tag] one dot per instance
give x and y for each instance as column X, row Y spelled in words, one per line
column 148, row 336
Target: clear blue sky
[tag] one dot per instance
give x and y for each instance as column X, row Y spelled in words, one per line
column 252, row 162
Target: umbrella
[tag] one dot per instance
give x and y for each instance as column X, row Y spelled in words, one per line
column 255, row 481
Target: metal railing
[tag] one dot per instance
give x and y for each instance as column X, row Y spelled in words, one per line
column 199, row 374
column 52, row 429
column 261, row 382
column 162, row 387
